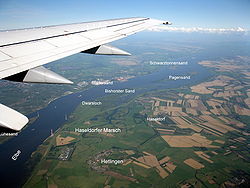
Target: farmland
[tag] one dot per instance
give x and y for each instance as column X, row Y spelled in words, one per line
column 195, row 136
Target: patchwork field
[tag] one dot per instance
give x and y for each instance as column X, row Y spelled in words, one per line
column 195, row 140
column 194, row 164
column 203, row 140
column 60, row 141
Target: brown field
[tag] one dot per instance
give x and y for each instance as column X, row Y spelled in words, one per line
column 159, row 123
column 215, row 128
column 179, row 101
column 52, row 186
column 229, row 87
column 238, row 87
column 129, row 152
column 226, row 94
column 217, row 108
column 41, row 172
column 205, row 112
column 169, row 102
column 193, row 103
column 206, row 128
column 214, row 152
column 140, row 164
column 201, row 88
column 184, row 124
column 236, row 123
column 227, row 153
column 201, row 106
column 157, row 103
column 204, row 156
column 241, row 111
column 216, row 124
column 60, row 141
column 149, row 160
column 107, row 134
column 119, row 176
column 161, row 172
column 191, row 111
column 127, row 162
column 204, row 88
column 197, row 119
column 194, row 164
column 166, row 130
column 221, row 65
column 212, row 132
column 217, row 100
column 211, row 181
column 220, row 141
column 170, row 109
column 189, row 96
column 219, row 111
column 197, row 97
column 240, row 139
column 170, row 167
column 178, row 114
column 147, row 153
column 234, row 147
column 224, row 119
column 196, row 140
column 186, row 185
column 164, row 160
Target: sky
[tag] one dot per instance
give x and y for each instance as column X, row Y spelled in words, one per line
column 209, row 14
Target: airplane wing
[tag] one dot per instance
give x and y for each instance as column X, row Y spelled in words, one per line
column 24, row 51
column 12, row 119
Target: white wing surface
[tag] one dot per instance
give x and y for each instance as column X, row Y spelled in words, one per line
column 12, row 119
column 24, row 51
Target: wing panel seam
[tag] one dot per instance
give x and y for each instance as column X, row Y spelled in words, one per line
column 22, row 42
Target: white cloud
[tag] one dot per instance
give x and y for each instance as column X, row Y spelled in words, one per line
column 198, row 29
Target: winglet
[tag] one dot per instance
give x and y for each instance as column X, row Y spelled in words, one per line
column 12, row 119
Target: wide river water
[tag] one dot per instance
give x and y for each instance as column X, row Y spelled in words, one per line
column 14, row 173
